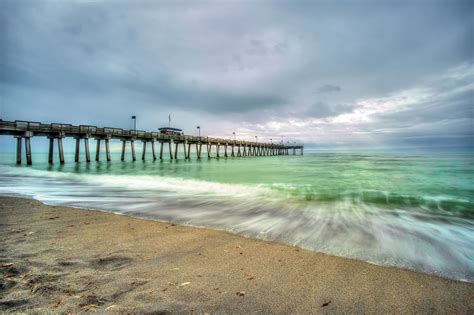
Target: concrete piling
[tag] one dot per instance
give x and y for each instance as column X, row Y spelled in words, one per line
column 176, row 151
column 132, row 144
column 161, row 150
column 185, row 151
column 198, row 150
column 171, row 149
column 29, row 160
column 189, row 151
column 97, row 150
column 88, row 153
column 107, row 149
column 51, row 150
column 144, row 151
column 60, row 150
column 18, row 150
column 217, row 149
column 153, row 150
column 124, row 144
column 78, row 146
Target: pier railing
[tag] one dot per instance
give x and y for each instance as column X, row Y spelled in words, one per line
column 28, row 129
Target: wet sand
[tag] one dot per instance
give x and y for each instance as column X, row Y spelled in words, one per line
column 57, row 259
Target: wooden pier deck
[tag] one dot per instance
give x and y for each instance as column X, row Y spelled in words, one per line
column 26, row 130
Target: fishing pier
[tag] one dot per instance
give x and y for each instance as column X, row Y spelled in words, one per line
column 56, row 132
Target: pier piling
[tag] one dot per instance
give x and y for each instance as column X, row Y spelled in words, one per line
column 18, row 150
column 88, row 152
column 122, row 156
column 78, row 145
column 51, row 150
column 97, row 150
column 153, row 150
column 132, row 144
column 29, row 160
column 107, row 149
column 198, row 150
column 60, row 150
column 144, row 151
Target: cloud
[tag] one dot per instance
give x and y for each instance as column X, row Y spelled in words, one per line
column 329, row 88
column 251, row 67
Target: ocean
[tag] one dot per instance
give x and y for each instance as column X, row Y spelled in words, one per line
column 409, row 211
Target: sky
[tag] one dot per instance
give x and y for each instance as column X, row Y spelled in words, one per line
column 329, row 74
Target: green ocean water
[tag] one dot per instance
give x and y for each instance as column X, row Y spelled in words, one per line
column 411, row 211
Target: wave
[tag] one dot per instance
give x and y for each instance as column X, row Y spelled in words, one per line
column 381, row 227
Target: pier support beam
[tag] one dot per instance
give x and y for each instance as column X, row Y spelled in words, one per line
column 97, row 150
column 198, row 150
column 51, row 150
column 153, row 150
column 107, row 149
column 185, row 150
column 209, row 148
column 217, row 149
column 78, row 147
column 225, row 150
column 29, row 160
column 18, row 150
column 61, row 150
column 232, row 151
column 132, row 144
column 161, row 150
column 171, row 149
column 176, row 151
column 144, row 151
column 124, row 144
column 189, row 151
column 238, row 150
column 88, row 152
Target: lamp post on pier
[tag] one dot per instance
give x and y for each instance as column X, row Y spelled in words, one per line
column 199, row 131
column 134, row 118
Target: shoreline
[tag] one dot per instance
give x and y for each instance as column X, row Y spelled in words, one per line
column 62, row 259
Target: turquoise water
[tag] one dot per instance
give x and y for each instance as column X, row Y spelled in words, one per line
column 409, row 211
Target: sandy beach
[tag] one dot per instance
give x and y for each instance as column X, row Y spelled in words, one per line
column 59, row 259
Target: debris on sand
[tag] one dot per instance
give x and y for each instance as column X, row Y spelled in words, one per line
column 91, row 301
column 241, row 293
column 326, row 304
column 7, row 265
column 111, row 307
column 184, row 284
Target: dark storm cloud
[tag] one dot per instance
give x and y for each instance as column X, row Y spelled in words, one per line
column 249, row 65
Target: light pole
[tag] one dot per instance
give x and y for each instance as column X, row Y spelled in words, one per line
column 256, row 139
column 234, row 135
column 199, row 130
column 271, row 140
column 134, row 118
